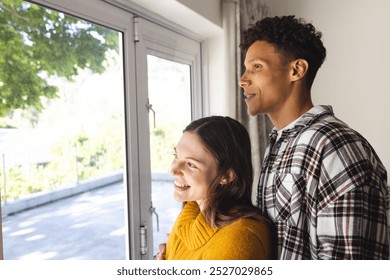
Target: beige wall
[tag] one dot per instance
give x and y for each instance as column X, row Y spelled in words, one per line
column 355, row 78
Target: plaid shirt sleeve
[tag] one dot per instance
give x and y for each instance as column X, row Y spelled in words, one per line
column 352, row 201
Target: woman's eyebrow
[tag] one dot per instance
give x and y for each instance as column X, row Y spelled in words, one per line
column 191, row 158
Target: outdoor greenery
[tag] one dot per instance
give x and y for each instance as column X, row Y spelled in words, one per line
column 74, row 160
column 162, row 142
column 36, row 43
column 43, row 53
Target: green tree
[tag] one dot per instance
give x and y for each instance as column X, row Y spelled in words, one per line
column 36, row 43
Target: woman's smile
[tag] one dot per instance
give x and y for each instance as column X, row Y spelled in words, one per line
column 181, row 187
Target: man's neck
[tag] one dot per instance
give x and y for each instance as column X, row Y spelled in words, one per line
column 289, row 113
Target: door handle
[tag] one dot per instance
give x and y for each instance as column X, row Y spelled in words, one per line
column 153, row 211
column 150, row 108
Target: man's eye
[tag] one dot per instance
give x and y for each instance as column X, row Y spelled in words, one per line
column 257, row 66
column 175, row 155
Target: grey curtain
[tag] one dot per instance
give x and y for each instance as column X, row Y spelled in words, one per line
column 238, row 15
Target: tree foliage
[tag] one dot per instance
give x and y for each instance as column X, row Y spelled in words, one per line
column 36, row 43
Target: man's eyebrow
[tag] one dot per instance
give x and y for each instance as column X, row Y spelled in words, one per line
column 256, row 59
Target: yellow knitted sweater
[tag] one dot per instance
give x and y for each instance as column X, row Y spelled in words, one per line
column 193, row 239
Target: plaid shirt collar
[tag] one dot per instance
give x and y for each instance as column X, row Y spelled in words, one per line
column 306, row 119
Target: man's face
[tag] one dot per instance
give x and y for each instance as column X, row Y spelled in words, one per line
column 266, row 80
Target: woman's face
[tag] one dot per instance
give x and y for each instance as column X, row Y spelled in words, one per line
column 194, row 169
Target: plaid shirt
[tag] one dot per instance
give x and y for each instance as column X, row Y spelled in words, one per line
column 325, row 189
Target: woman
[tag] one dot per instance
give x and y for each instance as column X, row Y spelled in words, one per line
column 212, row 171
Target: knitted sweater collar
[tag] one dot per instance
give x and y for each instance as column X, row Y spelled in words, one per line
column 192, row 227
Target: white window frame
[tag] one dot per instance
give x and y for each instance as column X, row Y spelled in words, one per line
column 159, row 41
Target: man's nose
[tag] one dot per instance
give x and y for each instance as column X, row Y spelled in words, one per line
column 244, row 81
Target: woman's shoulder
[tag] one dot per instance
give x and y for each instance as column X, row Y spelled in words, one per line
column 244, row 230
column 252, row 222
column 243, row 239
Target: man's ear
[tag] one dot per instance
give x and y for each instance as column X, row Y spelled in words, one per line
column 299, row 69
column 228, row 177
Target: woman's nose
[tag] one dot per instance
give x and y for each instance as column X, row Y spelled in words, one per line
column 175, row 167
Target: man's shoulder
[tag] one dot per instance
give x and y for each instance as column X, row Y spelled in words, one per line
column 329, row 129
column 330, row 135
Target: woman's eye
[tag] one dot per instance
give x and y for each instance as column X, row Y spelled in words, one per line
column 192, row 165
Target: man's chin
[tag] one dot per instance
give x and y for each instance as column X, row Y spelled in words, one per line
column 252, row 113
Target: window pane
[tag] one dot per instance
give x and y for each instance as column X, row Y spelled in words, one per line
column 169, row 85
column 62, row 133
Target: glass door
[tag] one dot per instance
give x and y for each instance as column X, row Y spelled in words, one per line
column 169, row 91
column 170, row 98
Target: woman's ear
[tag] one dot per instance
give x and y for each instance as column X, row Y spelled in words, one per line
column 299, row 69
column 228, row 177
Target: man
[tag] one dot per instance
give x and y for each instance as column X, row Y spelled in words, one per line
column 322, row 184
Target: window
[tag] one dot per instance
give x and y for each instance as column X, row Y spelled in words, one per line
column 100, row 131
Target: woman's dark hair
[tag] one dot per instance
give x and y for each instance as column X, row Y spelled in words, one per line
column 229, row 142
column 292, row 38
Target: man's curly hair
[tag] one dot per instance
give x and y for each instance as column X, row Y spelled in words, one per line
column 292, row 38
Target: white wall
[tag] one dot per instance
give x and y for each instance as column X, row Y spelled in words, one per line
column 209, row 9
column 217, row 78
column 355, row 78
column 201, row 17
